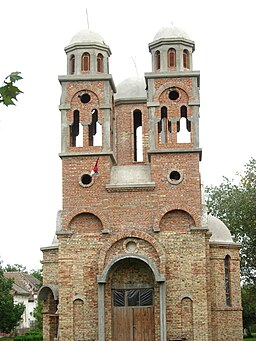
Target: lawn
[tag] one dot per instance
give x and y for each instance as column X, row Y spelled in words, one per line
column 252, row 338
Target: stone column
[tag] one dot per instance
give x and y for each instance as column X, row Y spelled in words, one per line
column 162, row 311
column 101, row 312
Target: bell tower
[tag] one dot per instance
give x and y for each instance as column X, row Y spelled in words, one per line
column 87, row 96
column 173, row 104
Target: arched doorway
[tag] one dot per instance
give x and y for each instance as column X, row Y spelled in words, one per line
column 133, row 293
column 105, row 295
column 49, row 294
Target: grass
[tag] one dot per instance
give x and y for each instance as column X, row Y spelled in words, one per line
column 251, row 338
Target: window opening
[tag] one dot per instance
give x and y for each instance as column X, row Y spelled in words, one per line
column 76, row 131
column 186, row 59
column 172, row 58
column 164, row 127
column 72, row 64
column 137, row 133
column 173, row 95
column 85, row 98
column 157, row 60
column 100, row 62
column 133, row 297
column 183, row 127
column 86, row 179
column 227, row 280
column 85, row 62
column 175, row 176
column 95, row 130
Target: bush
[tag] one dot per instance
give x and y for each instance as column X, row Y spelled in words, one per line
column 30, row 336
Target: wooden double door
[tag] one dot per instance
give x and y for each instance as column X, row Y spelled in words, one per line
column 133, row 315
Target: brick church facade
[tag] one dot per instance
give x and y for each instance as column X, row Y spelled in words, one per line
column 135, row 256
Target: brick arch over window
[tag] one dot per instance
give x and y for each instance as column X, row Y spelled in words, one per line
column 169, row 85
column 185, row 208
column 76, row 95
column 176, row 221
column 85, row 222
column 67, row 220
column 104, row 274
column 129, row 234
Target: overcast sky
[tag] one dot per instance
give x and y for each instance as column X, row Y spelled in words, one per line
column 33, row 36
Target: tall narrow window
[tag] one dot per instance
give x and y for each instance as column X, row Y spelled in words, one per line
column 85, row 62
column 100, row 62
column 164, row 127
column 186, row 59
column 227, row 280
column 187, row 318
column 95, row 130
column 171, row 58
column 183, row 127
column 157, row 60
column 78, row 319
column 72, row 64
column 76, row 131
column 137, row 133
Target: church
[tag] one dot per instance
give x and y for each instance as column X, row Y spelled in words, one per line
column 135, row 256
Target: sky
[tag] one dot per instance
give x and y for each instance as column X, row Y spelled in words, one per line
column 33, row 36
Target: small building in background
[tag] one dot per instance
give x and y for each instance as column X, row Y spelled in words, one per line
column 24, row 290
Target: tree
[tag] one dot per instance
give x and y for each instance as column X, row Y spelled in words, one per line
column 37, row 274
column 10, row 313
column 234, row 202
column 249, row 308
column 15, row 268
column 8, row 91
column 38, row 315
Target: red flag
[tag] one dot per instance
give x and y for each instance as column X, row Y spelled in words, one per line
column 95, row 168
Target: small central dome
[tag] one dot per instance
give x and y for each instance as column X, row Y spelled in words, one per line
column 171, row 32
column 131, row 88
column 220, row 232
column 87, row 36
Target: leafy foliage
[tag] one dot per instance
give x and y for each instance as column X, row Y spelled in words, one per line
column 10, row 313
column 37, row 274
column 235, row 204
column 15, row 267
column 30, row 336
column 38, row 315
column 249, row 308
column 8, row 91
